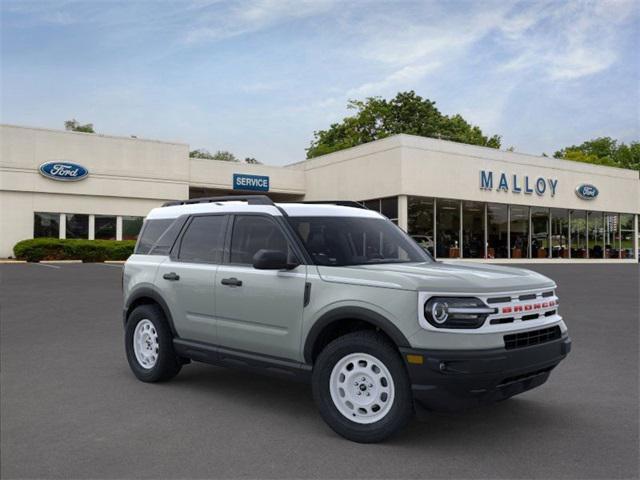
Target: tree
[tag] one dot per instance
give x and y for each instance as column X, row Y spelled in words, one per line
column 603, row 151
column 377, row 118
column 219, row 155
column 252, row 161
column 74, row 126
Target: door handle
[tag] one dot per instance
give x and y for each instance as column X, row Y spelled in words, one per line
column 232, row 282
column 173, row 276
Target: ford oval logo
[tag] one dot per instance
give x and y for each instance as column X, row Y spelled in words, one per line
column 586, row 191
column 63, row 171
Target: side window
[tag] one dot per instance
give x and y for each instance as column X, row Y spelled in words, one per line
column 252, row 233
column 151, row 231
column 203, row 240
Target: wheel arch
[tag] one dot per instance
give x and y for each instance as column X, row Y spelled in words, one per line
column 344, row 320
column 148, row 296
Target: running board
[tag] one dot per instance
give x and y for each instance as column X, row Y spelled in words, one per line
column 226, row 357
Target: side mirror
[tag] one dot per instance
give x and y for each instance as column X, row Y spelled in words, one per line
column 272, row 260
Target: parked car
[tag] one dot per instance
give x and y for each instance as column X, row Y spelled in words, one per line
column 341, row 297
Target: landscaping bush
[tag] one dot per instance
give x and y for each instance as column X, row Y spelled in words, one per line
column 38, row 249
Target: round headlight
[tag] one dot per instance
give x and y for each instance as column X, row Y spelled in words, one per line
column 440, row 312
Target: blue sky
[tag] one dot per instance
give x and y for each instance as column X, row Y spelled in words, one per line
column 258, row 77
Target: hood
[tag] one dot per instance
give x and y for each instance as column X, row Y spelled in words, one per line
column 464, row 277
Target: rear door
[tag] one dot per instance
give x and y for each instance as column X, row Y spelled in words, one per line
column 259, row 310
column 187, row 278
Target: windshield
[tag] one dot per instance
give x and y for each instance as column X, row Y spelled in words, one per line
column 344, row 241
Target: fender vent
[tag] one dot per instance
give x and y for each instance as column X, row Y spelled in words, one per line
column 534, row 337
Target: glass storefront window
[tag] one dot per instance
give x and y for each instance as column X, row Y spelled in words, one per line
column 46, row 225
column 448, row 228
column 626, row 235
column 578, row 234
column 595, row 234
column 519, row 232
column 539, row 232
column 497, row 228
column 472, row 230
column 131, row 227
column 420, row 221
column 611, row 235
column 559, row 233
column 105, row 226
column 77, row 226
column 389, row 207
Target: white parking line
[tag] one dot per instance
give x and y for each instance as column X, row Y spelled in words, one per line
column 110, row 265
column 46, row 265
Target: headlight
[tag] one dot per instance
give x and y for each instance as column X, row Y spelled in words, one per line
column 453, row 312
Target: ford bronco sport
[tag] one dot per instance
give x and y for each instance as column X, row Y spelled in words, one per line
column 339, row 296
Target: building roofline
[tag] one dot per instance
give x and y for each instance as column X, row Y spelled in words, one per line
column 102, row 135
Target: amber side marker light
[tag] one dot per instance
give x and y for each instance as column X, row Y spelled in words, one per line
column 415, row 359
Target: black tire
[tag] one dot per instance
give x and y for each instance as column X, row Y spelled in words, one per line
column 378, row 346
column 167, row 364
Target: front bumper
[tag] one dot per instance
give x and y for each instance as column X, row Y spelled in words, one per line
column 449, row 380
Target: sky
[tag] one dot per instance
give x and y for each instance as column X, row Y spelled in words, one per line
column 258, row 77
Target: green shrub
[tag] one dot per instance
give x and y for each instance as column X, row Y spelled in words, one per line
column 37, row 249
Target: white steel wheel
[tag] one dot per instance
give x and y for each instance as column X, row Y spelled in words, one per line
column 362, row 388
column 145, row 344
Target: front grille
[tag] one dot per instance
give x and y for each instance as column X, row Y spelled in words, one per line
column 534, row 337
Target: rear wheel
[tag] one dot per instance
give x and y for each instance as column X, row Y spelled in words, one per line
column 149, row 345
column 362, row 388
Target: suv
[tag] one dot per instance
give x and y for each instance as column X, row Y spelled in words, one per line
column 339, row 296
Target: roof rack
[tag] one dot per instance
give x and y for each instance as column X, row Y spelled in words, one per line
column 341, row 203
column 250, row 199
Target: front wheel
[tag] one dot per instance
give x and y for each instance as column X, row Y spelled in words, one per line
column 362, row 388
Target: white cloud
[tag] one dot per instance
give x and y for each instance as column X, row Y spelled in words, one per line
column 405, row 77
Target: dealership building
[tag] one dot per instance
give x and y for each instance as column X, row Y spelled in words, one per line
column 459, row 201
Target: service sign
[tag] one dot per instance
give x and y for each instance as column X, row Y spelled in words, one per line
column 253, row 183
column 63, row 171
column 586, row 191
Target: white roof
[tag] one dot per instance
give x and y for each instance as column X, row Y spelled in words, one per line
column 292, row 209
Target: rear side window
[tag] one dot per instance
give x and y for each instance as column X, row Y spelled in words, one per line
column 252, row 233
column 151, row 231
column 203, row 240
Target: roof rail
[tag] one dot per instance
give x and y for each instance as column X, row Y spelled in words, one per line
column 250, row 199
column 341, row 203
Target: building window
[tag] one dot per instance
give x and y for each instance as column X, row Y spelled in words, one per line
column 497, row 230
column 519, row 232
column 539, row 232
column 611, row 235
column 596, row 234
column 131, row 227
column 386, row 206
column 46, row 225
column 105, row 227
column 472, row 230
column 77, row 226
column 626, row 235
column 420, row 221
column 578, row 234
column 559, row 233
column 448, row 228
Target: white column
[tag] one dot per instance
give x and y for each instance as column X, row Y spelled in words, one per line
column 63, row 226
column 92, row 227
column 635, row 237
column 403, row 212
column 118, row 228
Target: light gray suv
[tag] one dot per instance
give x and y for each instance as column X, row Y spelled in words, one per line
column 339, row 296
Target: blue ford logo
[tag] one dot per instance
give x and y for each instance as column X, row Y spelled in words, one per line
column 586, row 191
column 63, row 171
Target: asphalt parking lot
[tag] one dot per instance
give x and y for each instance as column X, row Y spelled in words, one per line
column 70, row 408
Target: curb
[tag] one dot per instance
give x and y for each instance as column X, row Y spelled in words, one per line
column 60, row 261
column 115, row 262
column 10, row 262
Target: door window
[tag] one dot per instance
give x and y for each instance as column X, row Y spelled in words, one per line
column 203, row 240
column 252, row 233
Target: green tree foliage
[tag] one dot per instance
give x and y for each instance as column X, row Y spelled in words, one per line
column 252, row 161
column 74, row 126
column 219, row 155
column 604, row 151
column 377, row 118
